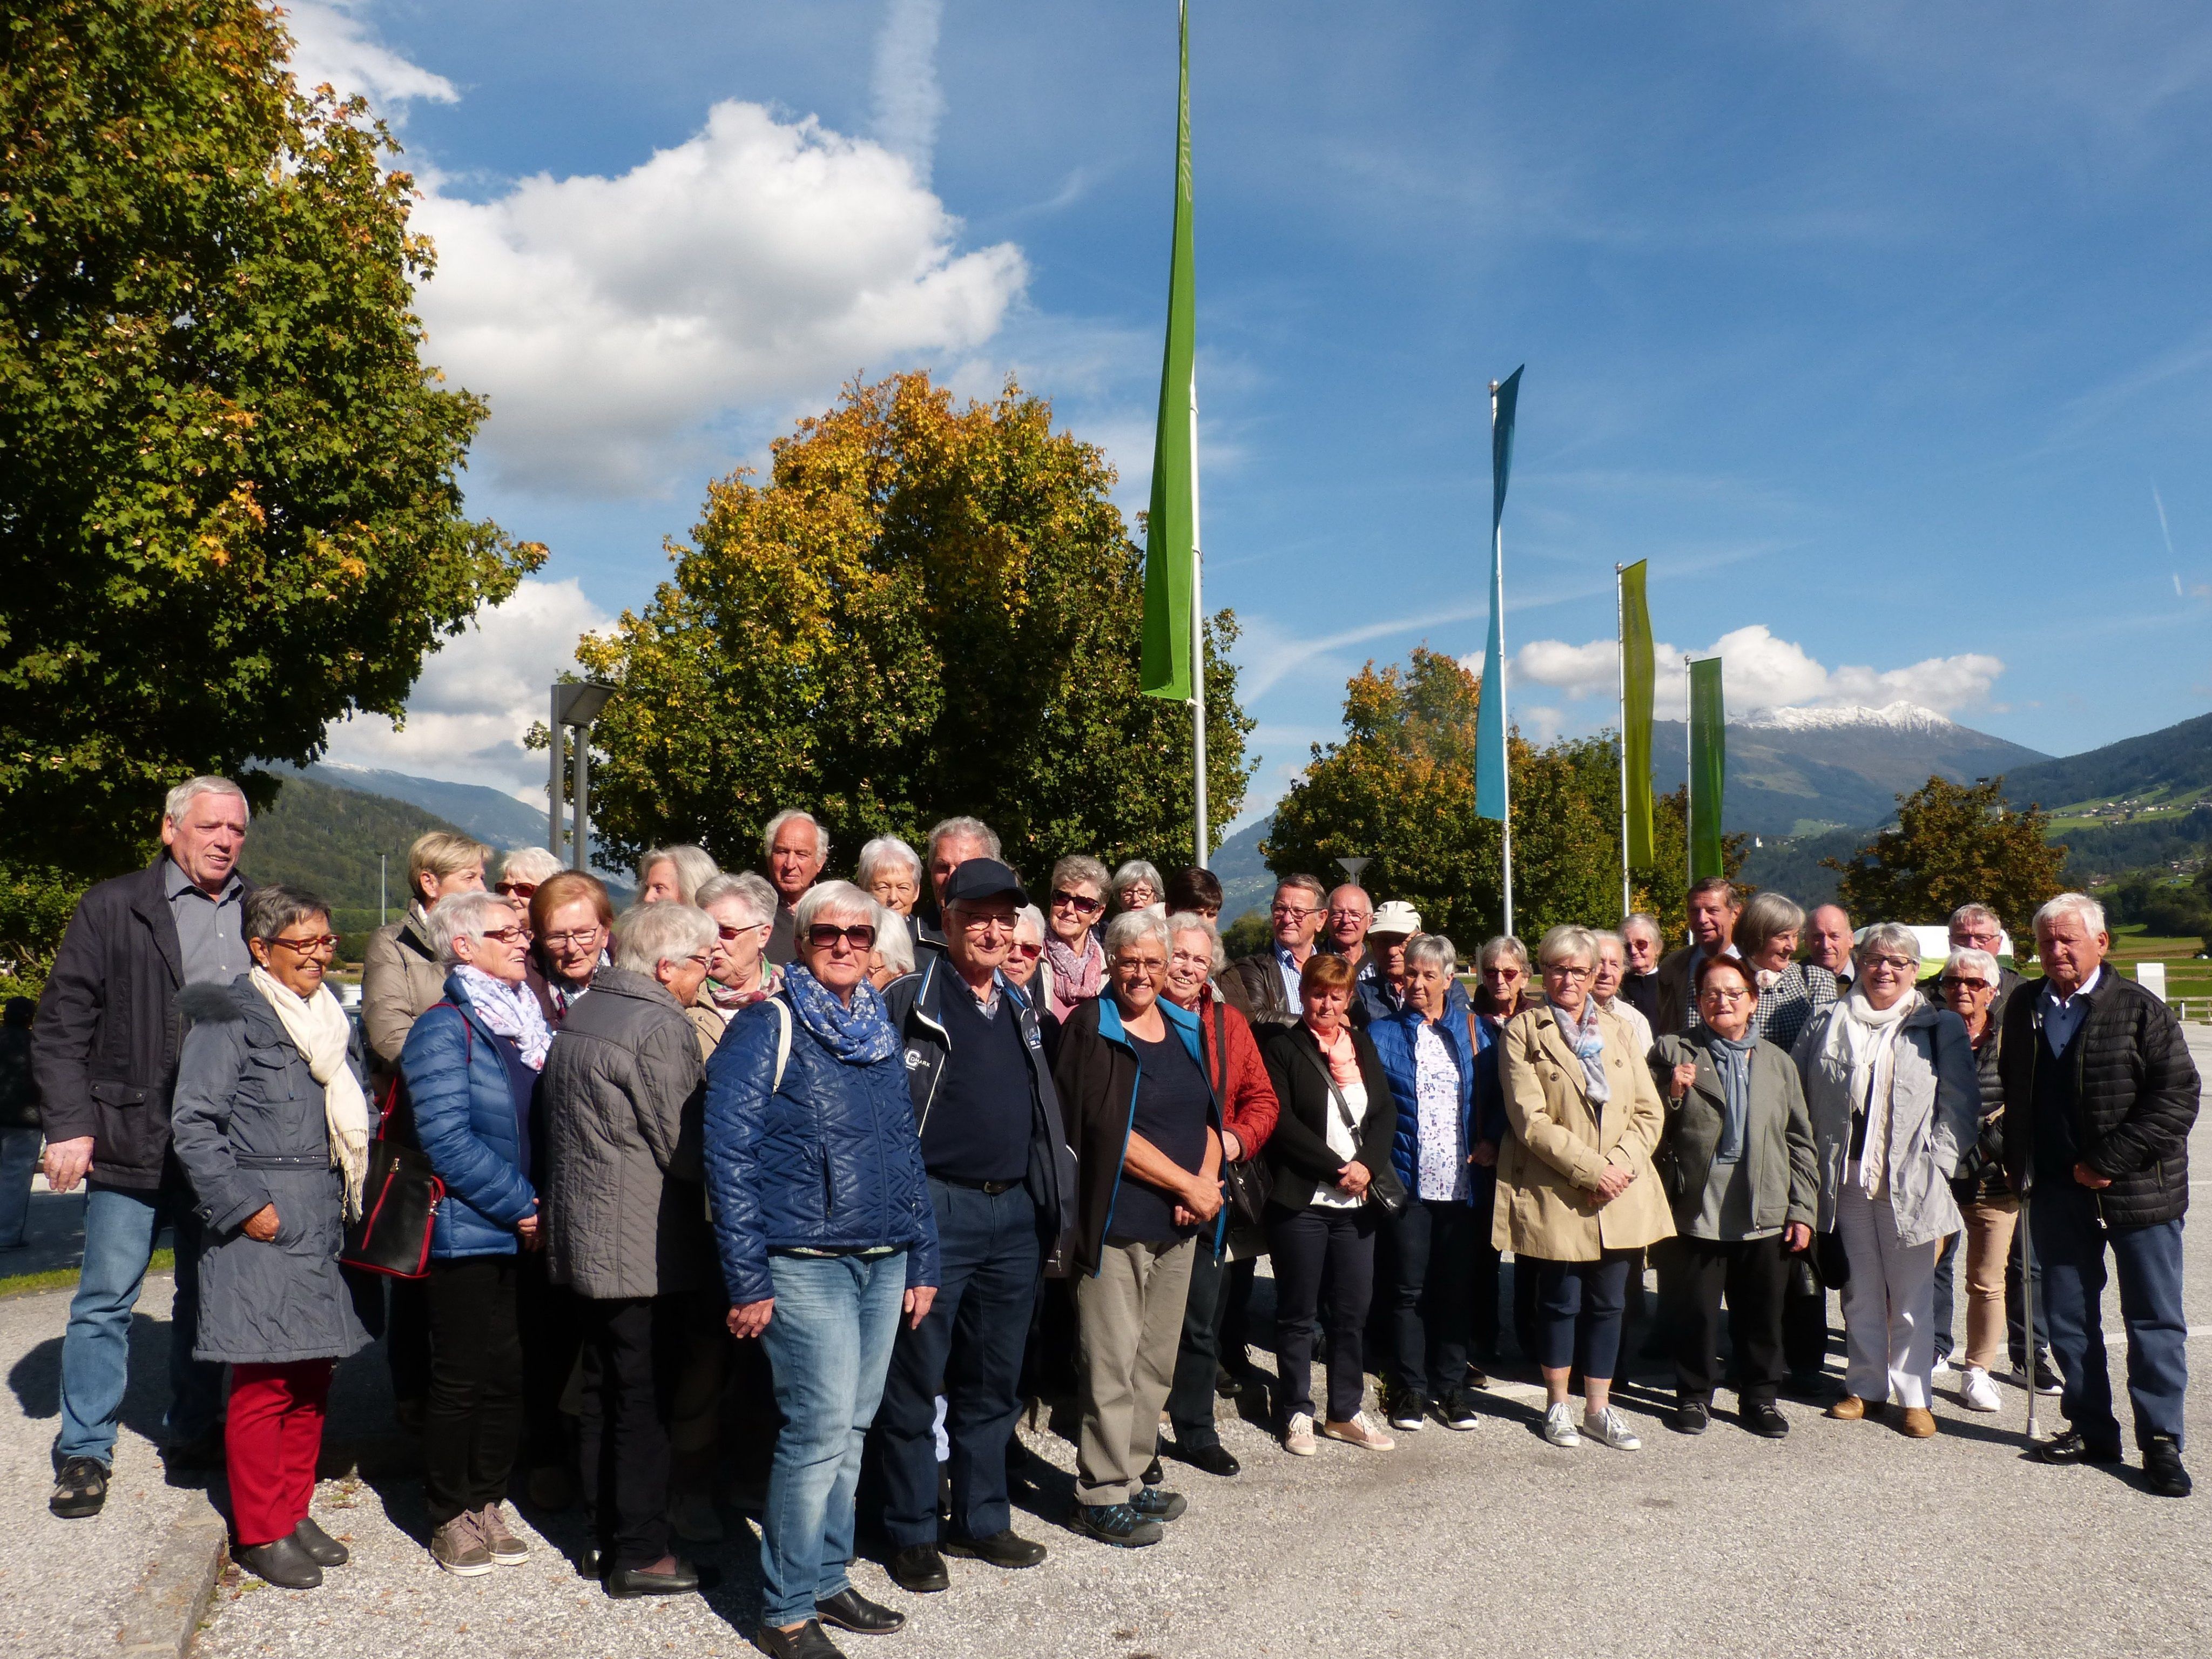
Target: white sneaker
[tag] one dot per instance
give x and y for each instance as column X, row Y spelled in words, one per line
column 1608, row 1428
column 1980, row 1394
column 1298, row 1437
column 1559, row 1425
column 1939, row 1369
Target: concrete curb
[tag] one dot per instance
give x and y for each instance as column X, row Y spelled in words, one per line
column 163, row 1614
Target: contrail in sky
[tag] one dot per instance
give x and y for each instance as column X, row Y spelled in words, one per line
column 2162, row 530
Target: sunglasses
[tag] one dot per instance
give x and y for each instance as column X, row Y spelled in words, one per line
column 823, row 936
column 739, row 933
column 1077, row 903
column 1026, row 952
column 1950, row 983
column 522, row 890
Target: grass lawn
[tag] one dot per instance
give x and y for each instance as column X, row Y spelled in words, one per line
column 2185, row 975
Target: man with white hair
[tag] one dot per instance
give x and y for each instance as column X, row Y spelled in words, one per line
column 104, row 1053
column 796, row 846
column 2099, row 1096
column 951, row 844
column 1976, row 928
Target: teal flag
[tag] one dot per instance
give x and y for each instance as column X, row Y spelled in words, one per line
column 1636, row 691
column 1490, row 788
column 1708, row 768
column 1171, row 527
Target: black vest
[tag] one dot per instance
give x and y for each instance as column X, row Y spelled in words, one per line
column 979, row 1126
column 2058, row 1105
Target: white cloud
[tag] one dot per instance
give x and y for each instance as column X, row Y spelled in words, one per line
column 477, row 696
column 909, row 104
column 332, row 43
column 1761, row 672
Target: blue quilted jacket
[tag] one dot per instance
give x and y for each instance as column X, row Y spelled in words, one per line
column 827, row 1159
column 465, row 1119
column 1394, row 1038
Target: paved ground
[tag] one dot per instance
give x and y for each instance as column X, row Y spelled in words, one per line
column 1845, row 1539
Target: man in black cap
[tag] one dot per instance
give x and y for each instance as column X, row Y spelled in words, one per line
column 1002, row 1180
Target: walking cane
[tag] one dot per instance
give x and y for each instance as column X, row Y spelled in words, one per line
column 2027, row 1296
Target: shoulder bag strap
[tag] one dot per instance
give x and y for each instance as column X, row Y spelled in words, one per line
column 782, row 1042
column 1343, row 1106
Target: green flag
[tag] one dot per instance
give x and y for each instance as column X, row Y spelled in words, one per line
column 1171, row 533
column 1708, row 768
column 1636, row 678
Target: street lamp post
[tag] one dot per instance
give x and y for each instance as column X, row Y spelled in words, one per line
column 1352, row 866
column 576, row 704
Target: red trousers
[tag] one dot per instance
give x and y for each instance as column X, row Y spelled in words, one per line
column 274, row 1435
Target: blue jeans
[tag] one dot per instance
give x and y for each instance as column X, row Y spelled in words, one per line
column 1579, row 1305
column 120, row 1225
column 19, row 1162
column 828, row 1343
column 969, row 1350
column 2070, row 1241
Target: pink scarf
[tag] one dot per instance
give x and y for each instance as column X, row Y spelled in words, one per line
column 1343, row 1059
column 1074, row 979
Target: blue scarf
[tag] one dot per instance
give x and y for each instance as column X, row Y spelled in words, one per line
column 859, row 1035
column 1732, row 1060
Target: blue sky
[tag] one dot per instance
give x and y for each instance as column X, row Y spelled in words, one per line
column 1882, row 330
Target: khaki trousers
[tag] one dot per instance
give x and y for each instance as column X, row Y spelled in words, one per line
column 1989, row 1240
column 1130, row 1318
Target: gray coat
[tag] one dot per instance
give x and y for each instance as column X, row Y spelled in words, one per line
column 622, row 1093
column 1777, row 1135
column 248, row 1128
column 1935, row 1111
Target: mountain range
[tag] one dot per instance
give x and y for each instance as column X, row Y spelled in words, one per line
column 491, row 815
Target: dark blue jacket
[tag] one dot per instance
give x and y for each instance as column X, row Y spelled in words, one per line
column 1393, row 1039
column 917, row 1010
column 1489, row 1121
column 828, row 1159
column 1371, row 1003
column 465, row 1119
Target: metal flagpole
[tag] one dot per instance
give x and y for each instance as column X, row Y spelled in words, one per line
column 1621, row 667
column 1197, row 645
column 1689, row 787
column 1497, row 613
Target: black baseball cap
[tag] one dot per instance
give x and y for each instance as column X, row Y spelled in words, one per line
column 983, row 879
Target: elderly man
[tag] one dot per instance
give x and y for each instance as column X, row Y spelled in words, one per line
column 1828, row 941
column 951, row 844
column 1646, row 945
column 1713, row 908
column 1976, row 928
column 1344, row 928
column 1264, row 987
column 2100, row 1095
column 103, row 1054
column 1378, row 989
column 1002, row 1184
column 796, row 846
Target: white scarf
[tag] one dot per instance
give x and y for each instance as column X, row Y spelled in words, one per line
column 1866, row 1036
column 319, row 1030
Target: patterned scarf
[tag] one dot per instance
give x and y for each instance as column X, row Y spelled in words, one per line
column 729, row 999
column 1074, row 978
column 1587, row 1038
column 511, row 1010
column 859, row 1034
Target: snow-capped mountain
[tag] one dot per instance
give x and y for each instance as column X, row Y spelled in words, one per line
column 1895, row 717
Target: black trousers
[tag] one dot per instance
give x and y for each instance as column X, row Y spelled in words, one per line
column 1321, row 1248
column 1432, row 1294
column 1190, row 1398
column 1753, row 1273
column 552, row 1333
column 472, row 1419
column 633, row 1351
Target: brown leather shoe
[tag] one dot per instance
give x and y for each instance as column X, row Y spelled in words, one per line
column 1850, row 1409
column 1917, row 1423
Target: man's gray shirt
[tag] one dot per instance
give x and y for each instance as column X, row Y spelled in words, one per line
column 209, row 934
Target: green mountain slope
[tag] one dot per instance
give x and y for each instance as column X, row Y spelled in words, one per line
column 327, row 840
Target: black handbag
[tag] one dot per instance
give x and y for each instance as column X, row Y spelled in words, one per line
column 1384, row 1190
column 399, row 1204
column 1835, row 1266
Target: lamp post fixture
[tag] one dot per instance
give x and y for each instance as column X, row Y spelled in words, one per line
column 576, row 704
column 1351, row 867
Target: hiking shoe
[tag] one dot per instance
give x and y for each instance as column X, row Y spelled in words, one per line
column 1299, row 1435
column 1359, row 1431
column 1977, row 1392
column 1456, row 1411
column 80, row 1488
column 456, row 1547
column 1116, row 1524
column 1609, row 1428
column 499, row 1539
column 1156, row 1505
column 1559, row 1425
column 1405, row 1408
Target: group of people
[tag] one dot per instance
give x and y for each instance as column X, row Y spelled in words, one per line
column 826, row 1179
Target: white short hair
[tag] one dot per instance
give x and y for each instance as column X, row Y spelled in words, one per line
column 1030, row 917
column 469, row 915
column 532, row 864
column 1505, row 944
column 694, row 868
column 182, row 796
column 886, row 849
column 646, row 935
column 839, row 898
column 1966, row 914
column 1189, row 921
column 1433, row 949
column 1644, row 919
column 1980, row 962
column 750, row 892
column 965, row 828
column 2072, row 904
column 1883, row 937
column 1133, row 925
column 792, row 815
column 894, row 943
column 1565, row 940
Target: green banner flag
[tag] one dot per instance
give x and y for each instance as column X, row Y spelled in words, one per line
column 1172, row 531
column 1708, row 768
column 1636, row 689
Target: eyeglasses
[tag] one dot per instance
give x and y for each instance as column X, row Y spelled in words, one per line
column 824, row 935
column 1895, row 964
column 1026, row 952
column 572, row 936
column 1191, row 959
column 984, row 924
column 1138, row 964
column 739, row 933
column 522, row 890
column 1077, row 903
column 1952, row 983
column 1291, row 913
column 1341, row 913
column 314, row 944
column 515, row 934
column 1565, row 970
column 1723, row 994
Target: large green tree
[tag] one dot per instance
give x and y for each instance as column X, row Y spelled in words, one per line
column 925, row 609
column 230, row 503
column 1955, row 844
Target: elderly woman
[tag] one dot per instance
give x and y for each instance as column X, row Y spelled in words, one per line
column 1737, row 1165
column 1136, row 886
column 400, row 973
column 1025, row 956
column 1140, row 1111
column 1969, row 987
column 570, row 917
column 1503, row 987
column 1331, row 1142
column 1575, row 1188
column 889, row 871
column 471, row 1066
column 1428, row 1054
column 1246, row 1102
column 676, row 874
column 626, row 1226
column 739, row 972
column 1606, row 984
column 524, row 871
column 1891, row 1086
column 1791, row 992
column 1073, row 969
column 271, row 1125
column 822, row 1215
column 892, row 957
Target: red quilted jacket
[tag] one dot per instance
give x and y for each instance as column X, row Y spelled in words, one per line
column 1249, row 1107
